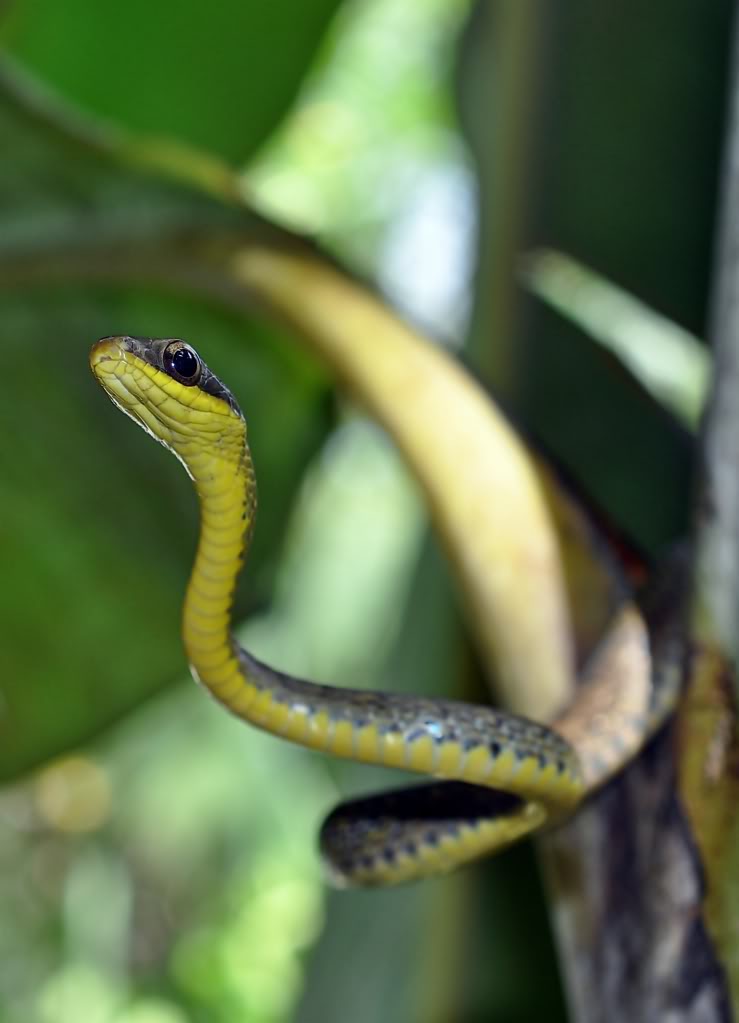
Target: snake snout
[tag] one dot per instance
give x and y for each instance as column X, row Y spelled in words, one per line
column 106, row 349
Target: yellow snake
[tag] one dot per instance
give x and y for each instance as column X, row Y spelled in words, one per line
column 506, row 776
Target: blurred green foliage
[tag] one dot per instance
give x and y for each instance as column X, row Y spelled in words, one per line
column 219, row 78
column 165, row 871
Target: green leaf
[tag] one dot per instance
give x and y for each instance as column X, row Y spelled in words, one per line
column 220, row 77
column 670, row 362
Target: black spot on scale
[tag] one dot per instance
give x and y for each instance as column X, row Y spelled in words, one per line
column 495, row 749
column 560, row 767
column 410, row 849
column 431, row 838
column 388, row 855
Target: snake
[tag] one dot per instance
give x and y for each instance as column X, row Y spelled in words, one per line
column 496, row 777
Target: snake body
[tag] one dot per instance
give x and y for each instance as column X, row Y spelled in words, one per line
column 507, row 775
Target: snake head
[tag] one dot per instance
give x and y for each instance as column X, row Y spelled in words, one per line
column 167, row 389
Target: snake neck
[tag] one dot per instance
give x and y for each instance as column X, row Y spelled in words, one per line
column 226, row 488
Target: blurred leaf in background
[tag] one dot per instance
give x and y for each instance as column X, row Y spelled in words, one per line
column 596, row 131
column 673, row 364
column 220, row 79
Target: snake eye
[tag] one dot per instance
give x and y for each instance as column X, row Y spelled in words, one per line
column 182, row 363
